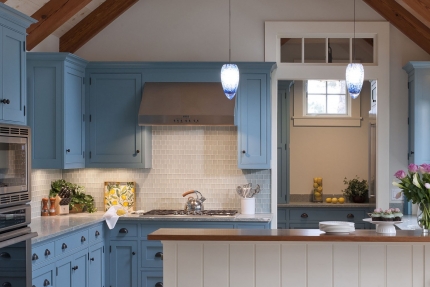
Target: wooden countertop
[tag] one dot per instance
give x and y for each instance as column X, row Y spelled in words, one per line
column 182, row 234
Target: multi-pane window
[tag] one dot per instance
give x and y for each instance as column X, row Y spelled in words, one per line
column 326, row 97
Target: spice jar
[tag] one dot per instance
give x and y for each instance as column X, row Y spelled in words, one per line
column 45, row 211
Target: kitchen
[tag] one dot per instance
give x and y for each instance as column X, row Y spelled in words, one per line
column 165, row 172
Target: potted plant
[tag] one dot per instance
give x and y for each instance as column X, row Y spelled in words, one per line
column 356, row 190
column 79, row 201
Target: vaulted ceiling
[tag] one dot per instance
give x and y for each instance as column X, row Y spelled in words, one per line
column 75, row 22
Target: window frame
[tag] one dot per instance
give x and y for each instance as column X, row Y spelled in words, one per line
column 326, row 114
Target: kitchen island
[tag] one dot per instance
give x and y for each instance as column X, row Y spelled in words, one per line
column 302, row 257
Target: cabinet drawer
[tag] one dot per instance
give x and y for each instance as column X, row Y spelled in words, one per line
column 42, row 253
column 152, row 254
column 66, row 244
column 152, row 279
column 12, row 257
column 124, row 230
column 305, row 215
column 43, row 276
column 282, row 214
column 96, row 233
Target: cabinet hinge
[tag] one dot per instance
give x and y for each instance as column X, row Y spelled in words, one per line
column 88, row 256
column 23, row 46
column 56, row 271
column 90, row 81
column 90, row 154
column 103, row 249
column 24, row 111
column 83, row 154
column 110, row 248
column 285, row 146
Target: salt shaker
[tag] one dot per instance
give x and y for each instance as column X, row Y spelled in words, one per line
column 45, row 211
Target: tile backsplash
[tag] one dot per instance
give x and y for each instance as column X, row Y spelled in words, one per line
column 183, row 158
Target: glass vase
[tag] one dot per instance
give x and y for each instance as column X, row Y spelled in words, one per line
column 423, row 216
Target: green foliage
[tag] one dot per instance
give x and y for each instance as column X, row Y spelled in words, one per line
column 355, row 187
column 78, row 195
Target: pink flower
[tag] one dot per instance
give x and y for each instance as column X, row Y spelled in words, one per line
column 400, row 174
column 424, row 168
column 412, row 167
column 427, row 185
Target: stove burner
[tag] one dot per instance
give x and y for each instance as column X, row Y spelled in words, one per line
column 221, row 212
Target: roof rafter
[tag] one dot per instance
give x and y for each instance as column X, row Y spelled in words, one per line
column 95, row 22
column 50, row 17
column 421, row 7
column 403, row 20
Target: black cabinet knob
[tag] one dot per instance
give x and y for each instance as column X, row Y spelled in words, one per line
column 5, row 101
column 92, row 259
column 75, row 268
column 68, row 150
column 133, row 253
column 123, row 230
column 350, row 215
column 244, row 152
column 159, row 284
column 64, row 246
column 6, row 284
column 159, row 255
column 47, row 252
column 46, row 282
column 137, row 151
column 34, row 257
column 83, row 239
column 304, row 215
column 4, row 255
column 97, row 233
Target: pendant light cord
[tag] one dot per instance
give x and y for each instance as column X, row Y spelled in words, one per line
column 353, row 46
column 229, row 31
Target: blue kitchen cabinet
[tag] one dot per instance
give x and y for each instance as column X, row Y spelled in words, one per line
column 72, row 271
column 254, row 117
column 115, row 138
column 419, row 111
column 13, row 25
column 96, row 259
column 44, row 276
column 56, row 107
column 123, row 263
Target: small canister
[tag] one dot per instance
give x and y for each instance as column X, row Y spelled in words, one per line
column 44, row 211
column 317, row 191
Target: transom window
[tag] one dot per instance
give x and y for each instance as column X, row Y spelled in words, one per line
column 326, row 97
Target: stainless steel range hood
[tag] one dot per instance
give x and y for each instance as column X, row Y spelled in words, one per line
column 196, row 104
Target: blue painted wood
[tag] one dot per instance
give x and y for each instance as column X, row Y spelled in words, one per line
column 150, row 278
column 254, row 122
column 116, row 139
column 123, row 264
column 56, row 106
column 73, row 270
column 96, row 264
column 40, row 275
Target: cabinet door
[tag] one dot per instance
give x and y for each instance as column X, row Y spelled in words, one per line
column 44, row 276
column 123, row 263
column 13, row 77
column 253, row 124
column 96, row 265
column 72, row 271
column 74, row 128
column 115, row 136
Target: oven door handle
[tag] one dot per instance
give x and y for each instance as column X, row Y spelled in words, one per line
column 17, row 239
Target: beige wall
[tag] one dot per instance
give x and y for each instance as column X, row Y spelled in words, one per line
column 332, row 153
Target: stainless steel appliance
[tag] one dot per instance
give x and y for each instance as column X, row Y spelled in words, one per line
column 14, row 217
column 14, row 165
column 181, row 212
column 194, row 204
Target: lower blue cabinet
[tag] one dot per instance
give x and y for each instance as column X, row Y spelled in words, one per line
column 44, row 276
column 96, row 265
column 72, row 271
column 123, row 263
column 151, row 279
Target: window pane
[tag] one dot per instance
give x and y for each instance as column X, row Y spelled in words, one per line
column 316, row 87
column 291, row 50
column 316, row 104
column 363, row 50
column 338, row 50
column 336, row 87
column 336, row 104
column 315, row 50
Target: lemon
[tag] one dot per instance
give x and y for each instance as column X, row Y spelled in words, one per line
column 317, row 194
column 319, row 180
column 334, row 200
column 112, row 191
column 114, row 202
column 315, row 179
column 320, row 188
column 125, row 203
column 120, row 212
column 341, row 200
column 315, row 185
column 328, row 200
column 123, row 196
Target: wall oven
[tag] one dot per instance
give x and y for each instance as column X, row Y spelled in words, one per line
column 14, row 165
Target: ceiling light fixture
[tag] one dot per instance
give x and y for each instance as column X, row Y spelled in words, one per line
column 229, row 72
column 354, row 72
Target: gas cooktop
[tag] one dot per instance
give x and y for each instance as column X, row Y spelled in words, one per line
column 181, row 212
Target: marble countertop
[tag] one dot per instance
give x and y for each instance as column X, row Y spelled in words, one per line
column 326, row 205
column 51, row 226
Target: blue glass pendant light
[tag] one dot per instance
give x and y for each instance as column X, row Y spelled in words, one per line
column 229, row 72
column 354, row 73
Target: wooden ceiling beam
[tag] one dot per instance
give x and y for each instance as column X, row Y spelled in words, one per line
column 421, row 7
column 3, row 1
column 50, row 17
column 403, row 20
column 91, row 25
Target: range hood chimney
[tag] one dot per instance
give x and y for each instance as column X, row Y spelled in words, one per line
column 197, row 104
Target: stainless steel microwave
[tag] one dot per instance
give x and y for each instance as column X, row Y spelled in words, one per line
column 14, row 165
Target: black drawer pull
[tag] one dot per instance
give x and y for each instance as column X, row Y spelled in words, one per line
column 159, row 255
column 47, row 252
column 97, row 233
column 92, row 259
column 34, row 257
column 68, row 150
column 350, row 215
column 123, row 230
column 83, row 239
column 159, row 284
column 64, row 246
column 6, row 284
column 133, row 253
column 4, row 255
column 5, row 101
column 46, row 282
column 33, row 286
column 304, row 215
column 75, row 268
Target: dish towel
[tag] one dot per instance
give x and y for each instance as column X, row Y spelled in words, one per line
column 111, row 216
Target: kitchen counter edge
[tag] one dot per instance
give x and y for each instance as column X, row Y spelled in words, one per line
column 327, row 205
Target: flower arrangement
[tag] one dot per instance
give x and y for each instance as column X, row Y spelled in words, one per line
column 415, row 186
column 356, row 189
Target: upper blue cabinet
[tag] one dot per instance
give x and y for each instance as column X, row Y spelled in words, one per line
column 56, row 109
column 13, row 25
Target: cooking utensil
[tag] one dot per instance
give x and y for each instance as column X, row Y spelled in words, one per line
column 194, row 204
column 246, row 190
